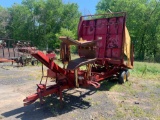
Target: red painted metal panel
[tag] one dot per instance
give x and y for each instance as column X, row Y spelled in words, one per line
column 48, row 63
column 114, row 41
column 116, row 53
column 101, row 26
column 51, row 55
column 101, row 53
column 110, row 33
column 101, row 45
column 120, row 22
column 102, row 42
column 114, row 46
column 101, row 34
column 113, row 27
column 88, row 30
column 109, row 53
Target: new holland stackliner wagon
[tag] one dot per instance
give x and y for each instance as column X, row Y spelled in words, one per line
column 104, row 49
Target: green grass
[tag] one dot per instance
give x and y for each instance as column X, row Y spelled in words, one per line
column 146, row 70
column 149, row 75
column 132, row 111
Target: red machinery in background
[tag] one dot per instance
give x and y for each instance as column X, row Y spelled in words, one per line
column 15, row 51
column 105, row 50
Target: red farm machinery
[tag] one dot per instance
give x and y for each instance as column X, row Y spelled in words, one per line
column 16, row 51
column 104, row 49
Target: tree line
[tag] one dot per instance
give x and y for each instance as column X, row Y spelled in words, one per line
column 40, row 21
column 43, row 21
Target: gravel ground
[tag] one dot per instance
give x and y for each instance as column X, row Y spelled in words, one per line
column 137, row 99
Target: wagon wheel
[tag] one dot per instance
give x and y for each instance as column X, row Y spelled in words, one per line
column 32, row 62
column 128, row 74
column 123, row 77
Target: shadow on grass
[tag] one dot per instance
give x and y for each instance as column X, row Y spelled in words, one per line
column 52, row 106
column 107, row 84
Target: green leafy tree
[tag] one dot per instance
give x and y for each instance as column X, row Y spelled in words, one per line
column 19, row 25
column 4, row 20
column 40, row 21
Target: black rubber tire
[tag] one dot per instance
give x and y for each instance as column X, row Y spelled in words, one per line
column 122, row 77
column 32, row 62
column 128, row 74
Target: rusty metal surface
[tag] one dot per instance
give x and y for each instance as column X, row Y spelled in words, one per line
column 5, row 60
column 73, row 64
column 109, row 30
column 17, row 51
column 79, row 42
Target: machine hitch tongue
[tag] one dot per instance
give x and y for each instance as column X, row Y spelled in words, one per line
column 30, row 99
column 103, row 46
